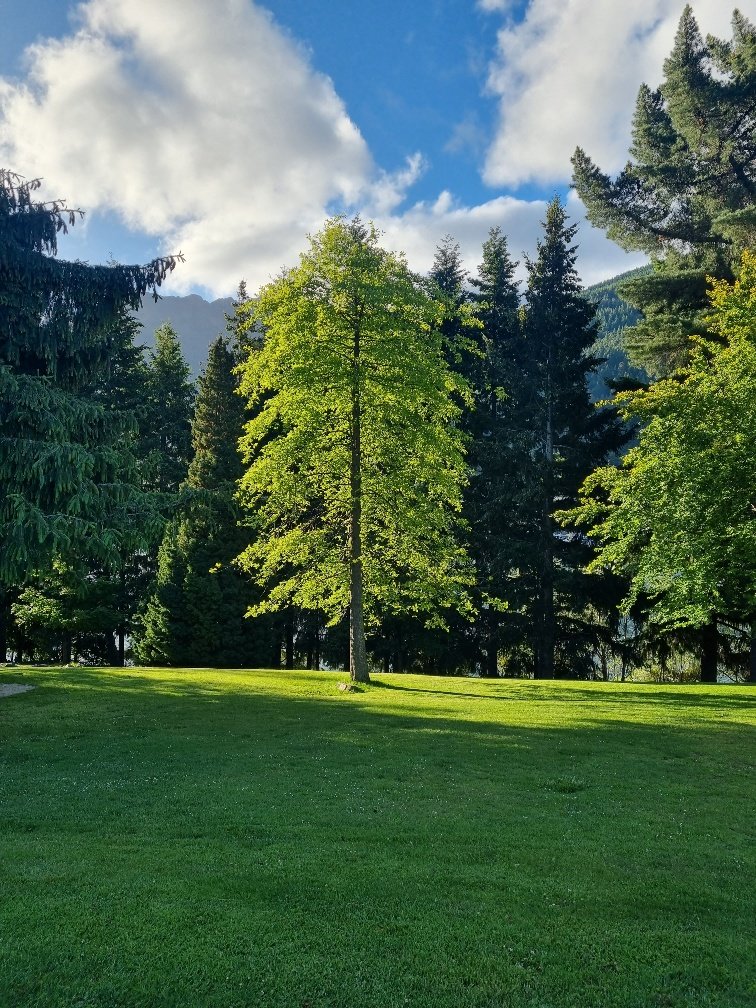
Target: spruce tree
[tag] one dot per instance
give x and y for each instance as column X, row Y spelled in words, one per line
column 67, row 472
column 196, row 614
column 498, row 459
column 687, row 197
column 167, row 415
column 568, row 438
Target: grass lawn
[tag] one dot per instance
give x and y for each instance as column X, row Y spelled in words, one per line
column 223, row 839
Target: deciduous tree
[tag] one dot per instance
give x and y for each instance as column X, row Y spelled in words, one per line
column 355, row 460
column 679, row 514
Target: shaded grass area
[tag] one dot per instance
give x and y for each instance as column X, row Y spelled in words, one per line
column 218, row 839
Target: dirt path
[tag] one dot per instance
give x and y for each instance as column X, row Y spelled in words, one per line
column 10, row 689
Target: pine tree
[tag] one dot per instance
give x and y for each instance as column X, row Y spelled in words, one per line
column 688, row 195
column 500, row 431
column 196, row 614
column 98, row 601
column 167, row 415
column 67, row 474
column 569, row 438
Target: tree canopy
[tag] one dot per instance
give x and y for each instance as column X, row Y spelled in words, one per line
column 687, row 196
column 67, row 479
column 679, row 514
column 355, row 460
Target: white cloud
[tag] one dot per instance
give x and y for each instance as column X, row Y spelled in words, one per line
column 205, row 125
column 201, row 123
column 568, row 74
column 417, row 233
column 389, row 190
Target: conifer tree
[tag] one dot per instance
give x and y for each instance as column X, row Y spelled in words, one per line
column 196, row 614
column 67, row 474
column 569, row 438
column 96, row 603
column 167, row 415
column 498, row 452
column 688, row 194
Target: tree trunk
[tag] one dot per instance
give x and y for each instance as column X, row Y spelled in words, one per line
column 4, row 620
column 111, row 649
column 752, row 654
column 544, row 651
column 65, row 650
column 358, row 669
column 709, row 652
column 289, row 641
column 275, row 658
column 121, row 632
column 490, row 664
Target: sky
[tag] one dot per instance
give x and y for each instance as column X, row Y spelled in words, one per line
column 229, row 130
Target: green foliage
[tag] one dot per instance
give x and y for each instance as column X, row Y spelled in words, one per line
column 497, row 446
column 554, row 436
column 195, row 614
column 688, row 195
column 613, row 317
column 678, row 514
column 67, row 474
column 66, row 610
column 209, row 839
column 352, row 325
column 167, row 412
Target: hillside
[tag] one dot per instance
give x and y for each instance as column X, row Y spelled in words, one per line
column 614, row 315
column 208, row 839
column 196, row 321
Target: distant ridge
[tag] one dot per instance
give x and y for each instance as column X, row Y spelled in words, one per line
column 614, row 316
column 196, row 321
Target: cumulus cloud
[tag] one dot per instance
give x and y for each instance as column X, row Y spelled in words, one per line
column 417, row 232
column 201, row 123
column 568, row 73
column 206, row 126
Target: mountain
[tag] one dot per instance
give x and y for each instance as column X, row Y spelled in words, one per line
column 196, row 321
column 614, row 316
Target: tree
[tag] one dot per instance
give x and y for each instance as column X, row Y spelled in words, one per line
column 568, row 437
column 688, row 195
column 355, row 461
column 67, row 474
column 167, row 416
column 195, row 615
column 499, row 442
column 679, row 514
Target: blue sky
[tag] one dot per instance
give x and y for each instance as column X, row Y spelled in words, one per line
column 231, row 128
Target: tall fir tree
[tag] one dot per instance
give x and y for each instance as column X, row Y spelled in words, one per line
column 95, row 602
column 569, row 438
column 67, row 472
column 167, row 414
column 196, row 614
column 498, row 452
column 688, row 194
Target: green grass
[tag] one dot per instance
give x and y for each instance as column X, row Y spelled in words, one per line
column 223, row 839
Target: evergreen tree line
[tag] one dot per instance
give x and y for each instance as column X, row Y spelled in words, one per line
column 129, row 513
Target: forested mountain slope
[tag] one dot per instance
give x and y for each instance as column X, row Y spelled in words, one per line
column 197, row 322
column 614, row 315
